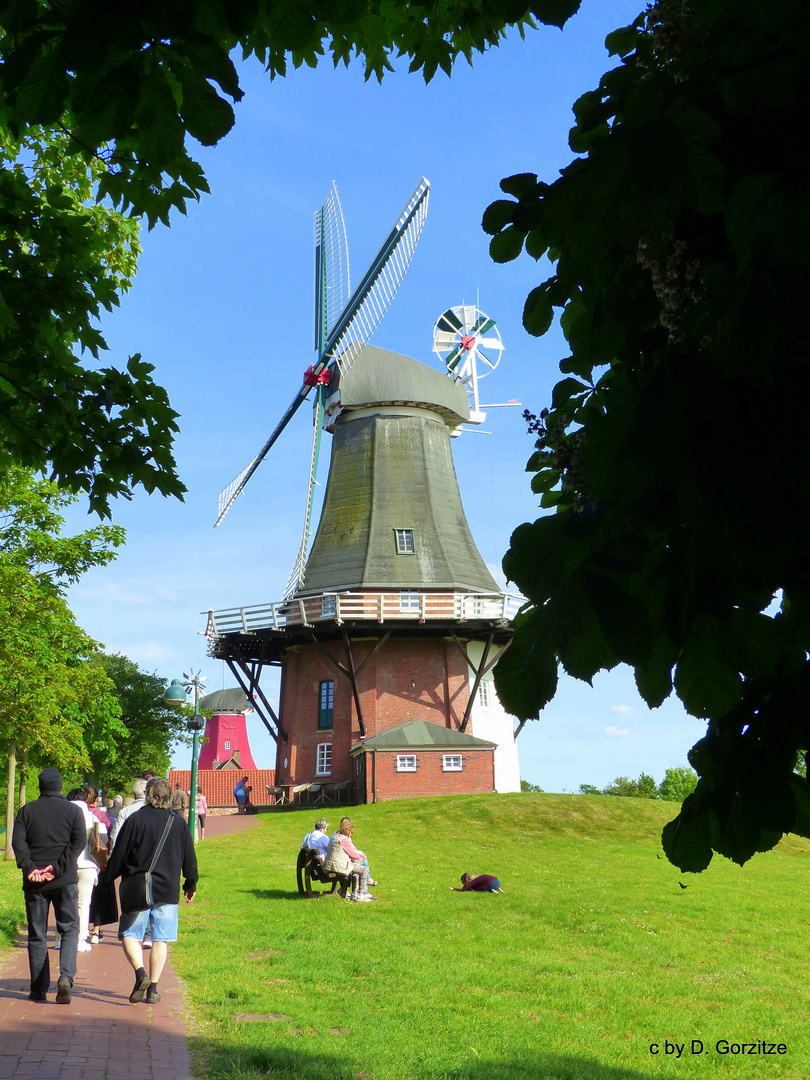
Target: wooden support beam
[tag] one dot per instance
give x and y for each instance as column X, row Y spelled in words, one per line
column 248, row 679
column 479, row 674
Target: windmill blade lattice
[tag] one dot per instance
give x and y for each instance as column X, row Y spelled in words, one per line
column 342, row 337
column 332, row 285
column 380, row 282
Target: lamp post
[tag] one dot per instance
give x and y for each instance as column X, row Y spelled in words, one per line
column 176, row 693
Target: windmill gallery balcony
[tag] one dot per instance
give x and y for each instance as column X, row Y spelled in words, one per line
column 350, row 607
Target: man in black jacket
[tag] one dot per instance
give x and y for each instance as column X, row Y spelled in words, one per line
column 137, row 842
column 48, row 835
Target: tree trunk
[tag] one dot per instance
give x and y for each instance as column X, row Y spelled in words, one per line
column 23, row 778
column 12, row 784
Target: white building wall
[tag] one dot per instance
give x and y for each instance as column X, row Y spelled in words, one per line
column 489, row 720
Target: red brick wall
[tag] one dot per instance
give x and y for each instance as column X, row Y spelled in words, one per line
column 408, row 679
column 217, row 784
column 477, row 776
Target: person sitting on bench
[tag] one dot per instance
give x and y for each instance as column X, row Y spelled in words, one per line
column 344, row 858
column 317, row 840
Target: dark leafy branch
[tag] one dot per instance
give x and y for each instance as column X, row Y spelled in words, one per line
column 673, row 452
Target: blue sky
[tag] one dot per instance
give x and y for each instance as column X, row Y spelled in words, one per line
column 222, row 306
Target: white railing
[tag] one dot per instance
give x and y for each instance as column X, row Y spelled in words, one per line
column 394, row 605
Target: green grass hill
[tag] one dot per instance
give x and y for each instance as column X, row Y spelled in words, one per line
column 594, row 964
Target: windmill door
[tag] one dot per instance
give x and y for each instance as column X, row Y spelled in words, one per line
column 359, row 792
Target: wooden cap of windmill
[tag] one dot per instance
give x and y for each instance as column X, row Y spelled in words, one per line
column 392, row 473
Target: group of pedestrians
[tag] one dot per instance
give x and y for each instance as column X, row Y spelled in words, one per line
column 58, row 846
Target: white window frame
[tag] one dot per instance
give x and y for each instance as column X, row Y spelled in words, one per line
column 452, row 763
column 409, row 600
column 329, row 606
column 484, row 694
column 323, row 765
column 404, row 539
column 406, row 762
column 227, row 744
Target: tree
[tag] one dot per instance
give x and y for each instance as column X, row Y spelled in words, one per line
column 31, row 531
column 54, row 697
column 673, row 452
column 151, row 725
column 64, row 257
column 98, row 102
column 589, row 789
column 526, row 786
column 678, row 784
column 643, row 788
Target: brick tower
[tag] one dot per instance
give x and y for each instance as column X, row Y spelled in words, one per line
column 397, row 623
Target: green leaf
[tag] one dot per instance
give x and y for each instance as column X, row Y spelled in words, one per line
column 207, row 116
column 506, row 245
column 545, row 480
column 708, row 679
column 621, row 42
column 565, row 390
column 520, row 185
column 538, row 312
column 497, row 216
column 526, row 674
column 686, row 839
column 654, row 678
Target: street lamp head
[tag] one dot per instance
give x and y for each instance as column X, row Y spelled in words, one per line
column 175, row 693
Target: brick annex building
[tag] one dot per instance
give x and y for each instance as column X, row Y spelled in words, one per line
column 388, row 646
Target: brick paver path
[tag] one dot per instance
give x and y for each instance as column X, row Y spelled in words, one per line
column 99, row 1036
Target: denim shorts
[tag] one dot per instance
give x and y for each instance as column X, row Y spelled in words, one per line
column 160, row 920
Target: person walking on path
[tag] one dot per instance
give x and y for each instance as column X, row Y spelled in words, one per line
column 202, row 810
column 179, row 800
column 132, row 855
column 48, row 836
column 138, row 789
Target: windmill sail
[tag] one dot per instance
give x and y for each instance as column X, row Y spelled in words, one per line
column 358, row 318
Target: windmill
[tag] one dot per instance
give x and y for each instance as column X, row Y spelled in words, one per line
column 392, row 622
column 343, row 324
column 463, row 336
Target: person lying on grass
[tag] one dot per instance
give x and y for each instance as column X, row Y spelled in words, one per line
column 482, row 883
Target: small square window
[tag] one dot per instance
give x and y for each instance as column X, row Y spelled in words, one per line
column 409, row 600
column 451, row 762
column 404, row 538
column 329, row 605
column 326, row 705
column 227, row 744
column 484, row 695
column 406, row 762
column 324, row 763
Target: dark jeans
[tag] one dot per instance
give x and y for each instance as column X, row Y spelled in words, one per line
column 66, row 909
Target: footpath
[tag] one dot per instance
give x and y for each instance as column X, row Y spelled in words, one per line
column 99, row 1036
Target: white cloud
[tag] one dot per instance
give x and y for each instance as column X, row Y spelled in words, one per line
column 625, row 710
column 616, row 731
column 113, row 594
column 144, row 653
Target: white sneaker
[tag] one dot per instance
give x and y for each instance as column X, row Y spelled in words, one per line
column 94, row 939
column 362, row 898
column 84, row 946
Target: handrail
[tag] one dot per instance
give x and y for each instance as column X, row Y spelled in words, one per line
column 378, row 606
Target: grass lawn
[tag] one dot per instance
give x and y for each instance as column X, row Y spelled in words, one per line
column 593, row 954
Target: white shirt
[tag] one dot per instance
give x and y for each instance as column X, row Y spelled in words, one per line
column 126, row 811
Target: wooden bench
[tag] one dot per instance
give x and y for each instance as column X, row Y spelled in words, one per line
column 308, row 869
